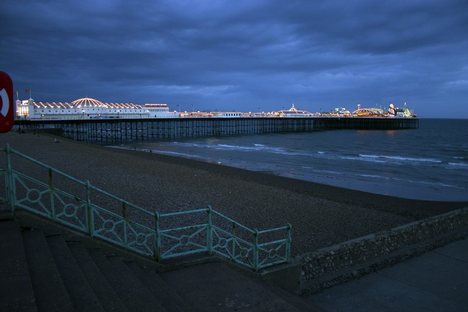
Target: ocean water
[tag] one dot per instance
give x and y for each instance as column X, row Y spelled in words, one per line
column 427, row 163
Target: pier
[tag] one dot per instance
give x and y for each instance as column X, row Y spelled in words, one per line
column 114, row 131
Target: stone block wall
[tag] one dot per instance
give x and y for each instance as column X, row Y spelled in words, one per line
column 341, row 262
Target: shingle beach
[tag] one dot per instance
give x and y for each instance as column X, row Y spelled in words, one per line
column 320, row 215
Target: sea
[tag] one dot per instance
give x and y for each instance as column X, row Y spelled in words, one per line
column 429, row 163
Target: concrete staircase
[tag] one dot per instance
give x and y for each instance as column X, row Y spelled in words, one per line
column 52, row 271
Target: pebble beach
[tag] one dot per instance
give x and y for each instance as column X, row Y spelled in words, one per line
column 320, row 215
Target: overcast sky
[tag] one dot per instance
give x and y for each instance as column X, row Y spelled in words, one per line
column 241, row 55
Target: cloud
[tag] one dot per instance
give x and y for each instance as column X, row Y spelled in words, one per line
column 239, row 53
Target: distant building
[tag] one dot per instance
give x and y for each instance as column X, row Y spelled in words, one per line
column 293, row 112
column 88, row 108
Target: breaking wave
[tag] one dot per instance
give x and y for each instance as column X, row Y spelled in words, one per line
column 457, row 165
column 401, row 158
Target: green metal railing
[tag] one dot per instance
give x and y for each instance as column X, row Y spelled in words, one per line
column 104, row 216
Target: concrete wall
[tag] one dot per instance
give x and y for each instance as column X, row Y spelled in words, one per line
column 339, row 263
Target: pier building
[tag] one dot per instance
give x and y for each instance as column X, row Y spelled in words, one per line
column 89, row 108
column 91, row 120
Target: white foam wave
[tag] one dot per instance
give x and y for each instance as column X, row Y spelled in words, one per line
column 458, row 165
column 255, row 148
column 191, row 144
column 401, row 158
column 374, row 176
column 328, row 172
column 411, row 181
column 370, row 159
column 251, row 148
column 118, row 147
column 171, row 153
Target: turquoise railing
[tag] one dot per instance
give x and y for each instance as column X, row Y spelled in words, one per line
column 102, row 215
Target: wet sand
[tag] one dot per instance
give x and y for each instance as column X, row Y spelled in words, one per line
column 320, row 215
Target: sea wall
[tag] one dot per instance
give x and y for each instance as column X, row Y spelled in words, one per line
column 112, row 131
column 351, row 259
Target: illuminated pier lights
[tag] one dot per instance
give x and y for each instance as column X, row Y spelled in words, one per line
column 89, row 108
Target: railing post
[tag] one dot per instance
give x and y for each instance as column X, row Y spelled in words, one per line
column 233, row 247
column 125, row 216
column 255, row 250
column 51, row 192
column 10, row 180
column 209, row 232
column 258, row 249
column 288, row 246
column 157, row 238
column 89, row 210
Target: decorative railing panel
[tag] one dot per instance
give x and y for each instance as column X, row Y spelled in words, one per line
column 140, row 238
column 232, row 247
column 183, row 241
column 152, row 234
column 69, row 210
column 183, row 233
column 273, row 252
column 31, row 194
column 3, row 186
column 108, row 225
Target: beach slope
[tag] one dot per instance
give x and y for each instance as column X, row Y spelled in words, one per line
column 321, row 215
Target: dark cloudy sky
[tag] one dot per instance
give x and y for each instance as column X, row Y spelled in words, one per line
column 241, row 55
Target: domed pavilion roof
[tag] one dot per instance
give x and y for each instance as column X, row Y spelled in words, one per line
column 87, row 102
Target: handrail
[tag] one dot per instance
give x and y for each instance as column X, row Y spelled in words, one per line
column 14, row 151
column 9, row 149
column 281, row 228
column 122, row 200
column 197, row 225
column 23, row 191
column 235, row 222
column 178, row 213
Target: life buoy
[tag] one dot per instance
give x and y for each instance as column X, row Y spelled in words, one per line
column 7, row 111
column 5, row 103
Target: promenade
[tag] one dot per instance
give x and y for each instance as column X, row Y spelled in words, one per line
column 435, row 281
column 320, row 215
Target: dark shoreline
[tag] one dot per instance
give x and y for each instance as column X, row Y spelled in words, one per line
column 394, row 204
column 321, row 215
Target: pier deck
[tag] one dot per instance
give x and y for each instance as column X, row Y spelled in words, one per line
column 112, row 131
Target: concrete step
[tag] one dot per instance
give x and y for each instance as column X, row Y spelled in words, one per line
column 297, row 301
column 103, row 290
column 93, row 281
column 49, row 289
column 16, row 290
column 81, row 293
column 128, row 287
column 215, row 287
column 168, row 297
